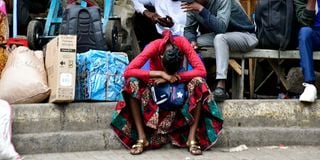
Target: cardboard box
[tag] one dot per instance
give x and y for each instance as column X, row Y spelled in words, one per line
column 60, row 63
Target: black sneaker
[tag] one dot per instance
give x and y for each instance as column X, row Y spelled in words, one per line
column 220, row 94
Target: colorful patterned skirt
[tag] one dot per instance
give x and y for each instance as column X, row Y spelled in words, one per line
column 162, row 126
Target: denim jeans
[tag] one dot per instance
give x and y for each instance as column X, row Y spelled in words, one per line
column 309, row 40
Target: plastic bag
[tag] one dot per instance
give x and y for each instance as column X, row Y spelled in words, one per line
column 7, row 150
column 24, row 78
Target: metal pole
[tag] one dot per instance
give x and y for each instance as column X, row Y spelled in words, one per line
column 15, row 17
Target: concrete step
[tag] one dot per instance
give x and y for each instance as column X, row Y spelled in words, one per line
column 52, row 142
column 47, row 128
column 271, row 113
column 49, row 117
column 41, row 118
column 106, row 140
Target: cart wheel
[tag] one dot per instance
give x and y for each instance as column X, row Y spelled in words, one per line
column 113, row 34
column 35, row 30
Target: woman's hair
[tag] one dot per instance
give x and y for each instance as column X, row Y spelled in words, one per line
column 172, row 59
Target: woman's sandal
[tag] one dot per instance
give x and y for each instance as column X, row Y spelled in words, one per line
column 139, row 147
column 194, row 148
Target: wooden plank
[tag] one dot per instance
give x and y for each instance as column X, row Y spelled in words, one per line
column 269, row 54
column 208, row 52
column 279, row 72
column 236, row 67
column 294, row 54
column 261, row 53
column 237, row 92
column 252, row 75
column 241, row 82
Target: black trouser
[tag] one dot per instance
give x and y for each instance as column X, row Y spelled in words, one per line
column 145, row 30
column 25, row 7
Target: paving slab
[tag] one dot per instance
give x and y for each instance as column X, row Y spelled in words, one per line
column 253, row 153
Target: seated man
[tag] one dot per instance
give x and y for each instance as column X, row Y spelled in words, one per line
column 224, row 25
column 309, row 40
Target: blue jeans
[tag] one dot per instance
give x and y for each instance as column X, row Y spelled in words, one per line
column 309, row 40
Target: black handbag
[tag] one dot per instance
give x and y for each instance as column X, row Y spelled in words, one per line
column 169, row 96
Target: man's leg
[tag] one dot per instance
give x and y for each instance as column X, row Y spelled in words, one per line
column 306, row 54
column 145, row 29
column 309, row 39
column 23, row 17
column 224, row 43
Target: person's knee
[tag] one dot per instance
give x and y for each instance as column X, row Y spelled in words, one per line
column 219, row 38
column 305, row 33
column 206, row 40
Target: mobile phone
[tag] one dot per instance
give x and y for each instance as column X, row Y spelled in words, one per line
column 187, row 1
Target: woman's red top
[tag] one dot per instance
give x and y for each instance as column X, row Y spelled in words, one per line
column 156, row 48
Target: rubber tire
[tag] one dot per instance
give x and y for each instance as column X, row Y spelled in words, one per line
column 35, row 30
column 113, row 34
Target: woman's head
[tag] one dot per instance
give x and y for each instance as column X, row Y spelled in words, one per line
column 172, row 59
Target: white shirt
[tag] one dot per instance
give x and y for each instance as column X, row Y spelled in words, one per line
column 164, row 8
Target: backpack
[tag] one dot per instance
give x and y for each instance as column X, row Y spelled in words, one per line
column 276, row 24
column 85, row 22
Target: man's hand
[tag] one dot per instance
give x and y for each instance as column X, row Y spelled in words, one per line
column 194, row 6
column 152, row 16
column 165, row 21
column 311, row 5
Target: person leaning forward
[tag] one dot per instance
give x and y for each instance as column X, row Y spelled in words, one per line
column 138, row 120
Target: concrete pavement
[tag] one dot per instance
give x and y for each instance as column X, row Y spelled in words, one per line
column 253, row 153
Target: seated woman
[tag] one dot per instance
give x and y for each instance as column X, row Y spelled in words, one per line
column 140, row 123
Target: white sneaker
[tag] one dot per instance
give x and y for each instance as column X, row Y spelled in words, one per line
column 309, row 94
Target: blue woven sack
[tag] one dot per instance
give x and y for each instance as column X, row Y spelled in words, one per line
column 100, row 75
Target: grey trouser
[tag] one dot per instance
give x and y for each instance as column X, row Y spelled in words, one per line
column 224, row 43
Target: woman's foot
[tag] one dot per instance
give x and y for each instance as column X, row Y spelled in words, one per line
column 194, row 148
column 139, row 147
